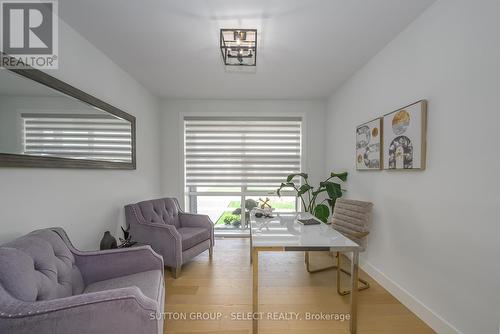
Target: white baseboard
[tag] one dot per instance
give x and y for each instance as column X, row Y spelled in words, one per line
column 436, row 322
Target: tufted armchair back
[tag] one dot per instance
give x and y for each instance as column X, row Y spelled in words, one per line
column 163, row 210
column 39, row 266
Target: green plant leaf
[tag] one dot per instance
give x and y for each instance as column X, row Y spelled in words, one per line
column 319, row 191
column 333, row 190
column 342, row 176
column 338, row 189
column 291, row 176
column 303, row 189
column 284, row 185
column 322, row 212
column 332, row 202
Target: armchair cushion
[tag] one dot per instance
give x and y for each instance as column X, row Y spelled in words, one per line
column 149, row 282
column 192, row 236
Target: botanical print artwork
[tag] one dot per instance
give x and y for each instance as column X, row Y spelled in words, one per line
column 404, row 141
column 368, row 141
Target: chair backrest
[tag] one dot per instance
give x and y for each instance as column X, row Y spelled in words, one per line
column 39, row 266
column 353, row 219
column 163, row 210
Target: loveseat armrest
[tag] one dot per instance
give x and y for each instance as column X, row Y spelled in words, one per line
column 96, row 312
column 102, row 265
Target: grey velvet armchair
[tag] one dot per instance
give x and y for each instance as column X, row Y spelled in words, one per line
column 176, row 235
column 48, row 286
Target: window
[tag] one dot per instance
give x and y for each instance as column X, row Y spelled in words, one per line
column 89, row 136
column 231, row 162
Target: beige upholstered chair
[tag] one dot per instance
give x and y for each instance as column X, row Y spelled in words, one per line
column 352, row 219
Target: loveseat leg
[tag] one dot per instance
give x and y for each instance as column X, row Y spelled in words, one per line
column 211, row 249
column 176, row 271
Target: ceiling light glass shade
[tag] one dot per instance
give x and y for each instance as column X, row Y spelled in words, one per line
column 239, row 47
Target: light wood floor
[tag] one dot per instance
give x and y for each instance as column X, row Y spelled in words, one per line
column 224, row 285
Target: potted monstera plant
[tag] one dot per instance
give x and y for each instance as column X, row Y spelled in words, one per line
column 319, row 207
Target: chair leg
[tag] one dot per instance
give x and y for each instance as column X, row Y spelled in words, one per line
column 312, row 271
column 211, row 249
column 341, row 292
column 176, row 271
column 339, row 269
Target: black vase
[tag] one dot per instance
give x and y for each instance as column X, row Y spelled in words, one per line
column 107, row 241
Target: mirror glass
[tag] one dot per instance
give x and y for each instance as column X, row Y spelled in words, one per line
column 37, row 120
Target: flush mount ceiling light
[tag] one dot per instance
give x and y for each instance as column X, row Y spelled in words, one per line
column 239, row 47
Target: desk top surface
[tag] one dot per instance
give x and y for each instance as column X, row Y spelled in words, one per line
column 285, row 231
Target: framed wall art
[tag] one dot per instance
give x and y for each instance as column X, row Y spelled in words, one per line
column 404, row 142
column 368, row 145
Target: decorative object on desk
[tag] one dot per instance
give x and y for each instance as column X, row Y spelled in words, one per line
column 368, row 145
column 265, row 203
column 405, row 137
column 263, row 213
column 310, row 221
column 332, row 189
column 249, row 205
column 107, row 241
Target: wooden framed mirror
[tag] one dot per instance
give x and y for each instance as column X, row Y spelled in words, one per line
column 47, row 123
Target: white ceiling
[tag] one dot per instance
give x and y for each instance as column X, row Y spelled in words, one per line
column 306, row 48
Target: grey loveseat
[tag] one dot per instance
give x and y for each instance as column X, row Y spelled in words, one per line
column 48, row 286
column 172, row 233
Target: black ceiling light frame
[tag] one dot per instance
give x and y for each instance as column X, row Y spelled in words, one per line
column 239, row 47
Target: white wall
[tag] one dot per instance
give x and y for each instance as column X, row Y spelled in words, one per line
column 435, row 241
column 173, row 111
column 85, row 202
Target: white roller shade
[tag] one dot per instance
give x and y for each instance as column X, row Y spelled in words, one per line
column 232, row 151
column 96, row 137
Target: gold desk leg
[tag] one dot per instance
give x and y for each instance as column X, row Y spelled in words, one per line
column 255, row 282
column 339, row 291
column 354, row 292
column 255, row 290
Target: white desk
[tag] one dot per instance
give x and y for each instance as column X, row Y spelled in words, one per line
column 283, row 233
